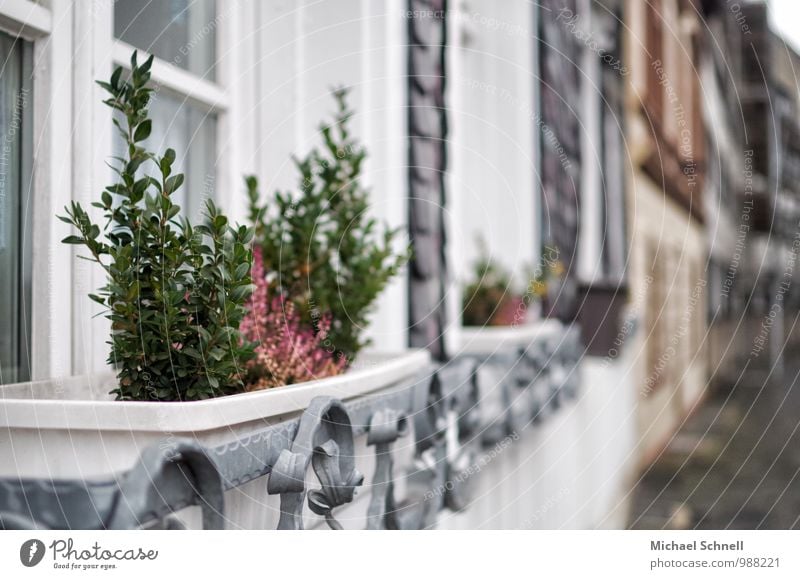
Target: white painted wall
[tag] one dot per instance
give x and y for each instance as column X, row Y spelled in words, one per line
column 573, row 471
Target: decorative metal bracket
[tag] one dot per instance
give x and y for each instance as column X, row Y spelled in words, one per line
column 161, row 483
column 385, row 427
column 324, row 439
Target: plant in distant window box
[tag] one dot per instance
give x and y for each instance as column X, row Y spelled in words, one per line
column 176, row 293
column 491, row 298
column 324, row 258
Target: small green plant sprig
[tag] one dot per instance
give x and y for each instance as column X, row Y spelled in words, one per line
column 321, row 244
column 175, row 294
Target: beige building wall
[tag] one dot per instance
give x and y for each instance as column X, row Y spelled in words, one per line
column 667, row 272
column 668, row 250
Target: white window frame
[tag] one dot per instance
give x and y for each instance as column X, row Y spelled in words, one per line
column 25, row 19
column 74, row 45
column 178, row 81
column 50, row 347
column 221, row 97
column 193, row 89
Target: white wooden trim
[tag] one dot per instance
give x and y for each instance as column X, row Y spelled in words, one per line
column 91, row 148
column 52, row 83
column 382, row 90
column 230, row 67
column 199, row 90
column 590, row 237
column 25, row 19
column 300, row 89
column 536, row 96
column 461, row 33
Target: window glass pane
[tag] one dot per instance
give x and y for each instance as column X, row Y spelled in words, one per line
column 191, row 131
column 182, row 32
column 15, row 262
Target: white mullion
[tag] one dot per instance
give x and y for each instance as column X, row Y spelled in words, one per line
column 536, row 94
column 230, row 68
column 51, row 271
column 590, row 222
column 196, row 89
column 460, row 35
column 25, row 19
column 91, row 145
column 300, row 88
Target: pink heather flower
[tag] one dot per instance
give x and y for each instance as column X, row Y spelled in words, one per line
column 289, row 351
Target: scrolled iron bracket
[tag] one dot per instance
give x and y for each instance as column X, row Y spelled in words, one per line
column 565, row 375
column 162, row 483
column 538, row 362
column 572, row 357
column 52, row 504
column 426, row 476
column 385, row 427
column 324, row 439
column 463, row 421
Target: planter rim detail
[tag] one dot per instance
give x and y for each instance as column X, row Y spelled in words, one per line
column 494, row 339
column 82, row 402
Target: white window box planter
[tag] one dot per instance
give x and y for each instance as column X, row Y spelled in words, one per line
column 488, row 340
column 390, row 444
column 72, row 429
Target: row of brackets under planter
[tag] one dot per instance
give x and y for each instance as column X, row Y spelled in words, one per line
column 71, row 458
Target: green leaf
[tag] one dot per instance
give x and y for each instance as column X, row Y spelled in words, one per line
column 220, row 221
column 191, row 352
column 169, row 157
column 73, row 240
column 115, row 77
column 173, row 184
column 99, row 299
column 142, row 131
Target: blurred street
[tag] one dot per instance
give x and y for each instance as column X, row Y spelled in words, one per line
column 733, row 464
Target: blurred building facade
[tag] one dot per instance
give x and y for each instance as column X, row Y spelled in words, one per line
column 665, row 140
column 727, row 228
column 771, row 105
column 752, row 197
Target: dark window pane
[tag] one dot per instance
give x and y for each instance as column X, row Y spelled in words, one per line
column 182, row 32
column 15, row 261
column 192, row 132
